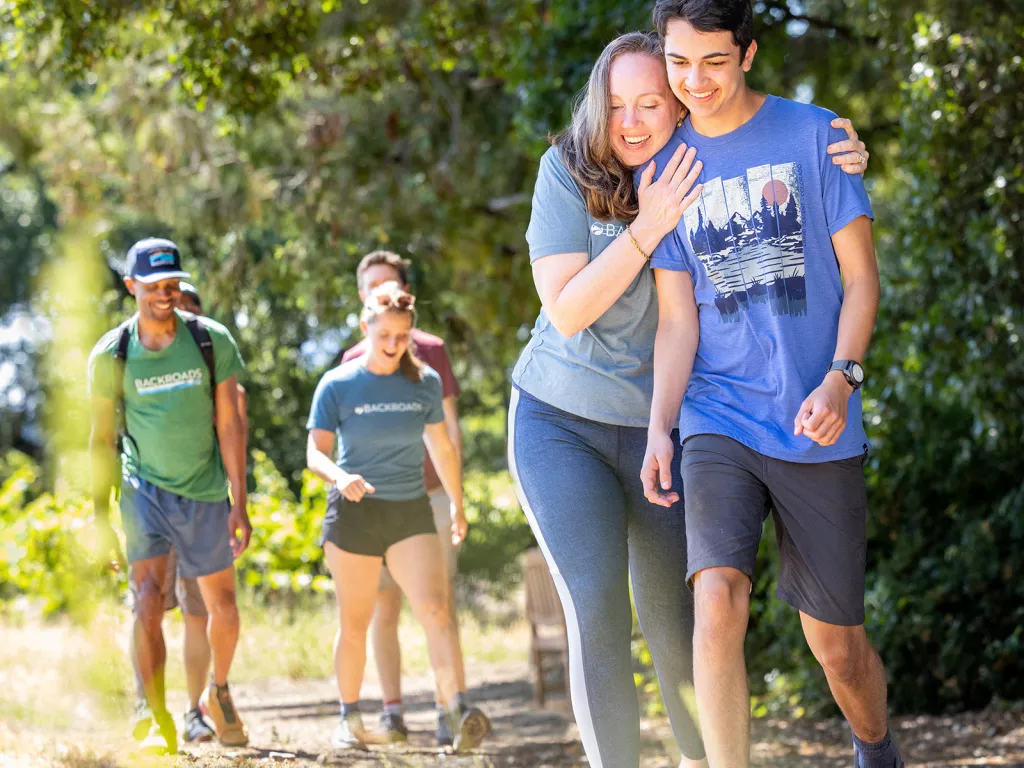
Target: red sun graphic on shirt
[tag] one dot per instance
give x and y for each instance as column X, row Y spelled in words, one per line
column 775, row 191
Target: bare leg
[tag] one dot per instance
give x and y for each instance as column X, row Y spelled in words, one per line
column 150, row 653
column 218, row 591
column 355, row 585
column 386, row 651
column 722, row 608
column 855, row 675
column 418, row 568
column 453, row 615
column 198, row 655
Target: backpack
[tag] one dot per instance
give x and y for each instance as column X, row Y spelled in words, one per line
column 201, row 336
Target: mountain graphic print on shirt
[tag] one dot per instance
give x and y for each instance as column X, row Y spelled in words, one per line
column 758, row 248
column 747, row 232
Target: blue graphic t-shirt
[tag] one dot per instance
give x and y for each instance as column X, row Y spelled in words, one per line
column 379, row 421
column 758, row 248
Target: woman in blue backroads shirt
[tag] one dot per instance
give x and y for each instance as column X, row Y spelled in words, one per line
column 382, row 407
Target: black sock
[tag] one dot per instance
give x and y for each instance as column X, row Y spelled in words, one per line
column 348, row 709
column 881, row 754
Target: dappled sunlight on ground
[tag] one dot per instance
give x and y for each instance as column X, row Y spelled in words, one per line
column 65, row 703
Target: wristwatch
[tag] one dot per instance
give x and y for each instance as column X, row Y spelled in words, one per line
column 852, row 370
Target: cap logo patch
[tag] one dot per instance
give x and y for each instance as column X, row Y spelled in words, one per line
column 161, row 259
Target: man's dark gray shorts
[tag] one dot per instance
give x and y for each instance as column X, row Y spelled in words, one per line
column 820, row 513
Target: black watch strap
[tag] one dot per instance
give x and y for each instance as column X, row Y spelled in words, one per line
column 852, row 371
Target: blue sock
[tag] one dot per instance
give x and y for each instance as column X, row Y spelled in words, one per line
column 348, row 709
column 461, row 701
column 882, row 754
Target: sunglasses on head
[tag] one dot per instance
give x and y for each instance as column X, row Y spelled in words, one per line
column 399, row 301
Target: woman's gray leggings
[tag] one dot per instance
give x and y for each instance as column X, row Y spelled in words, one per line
column 579, row 484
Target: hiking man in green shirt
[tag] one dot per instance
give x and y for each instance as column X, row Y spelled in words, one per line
column 164, row 391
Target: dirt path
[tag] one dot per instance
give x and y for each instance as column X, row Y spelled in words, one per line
column 290, row 724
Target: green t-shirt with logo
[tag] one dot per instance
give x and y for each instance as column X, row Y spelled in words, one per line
column 168, row 409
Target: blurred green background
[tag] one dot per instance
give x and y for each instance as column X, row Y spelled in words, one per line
column 277, row 141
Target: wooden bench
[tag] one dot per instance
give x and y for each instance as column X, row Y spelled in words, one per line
column 549, row 639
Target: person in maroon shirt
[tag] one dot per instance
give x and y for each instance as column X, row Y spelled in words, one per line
column 375, row 269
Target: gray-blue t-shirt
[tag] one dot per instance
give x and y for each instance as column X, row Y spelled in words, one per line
column 605, row 372
column 758, row 247
column 379, row 421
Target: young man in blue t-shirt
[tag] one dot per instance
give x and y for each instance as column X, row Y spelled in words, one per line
column 767, row 294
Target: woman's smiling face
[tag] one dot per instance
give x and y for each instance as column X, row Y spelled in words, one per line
column 388, row 336
column 644, row 112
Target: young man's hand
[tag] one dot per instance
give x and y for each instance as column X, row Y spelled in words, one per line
column 822, row 415
column 108, row 546
column 460, row 526
column 657, row 470
column 239, row 527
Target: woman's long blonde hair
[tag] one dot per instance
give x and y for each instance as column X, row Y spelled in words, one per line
column 389, row 297
column 585, row 145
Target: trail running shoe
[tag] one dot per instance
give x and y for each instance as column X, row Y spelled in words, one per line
column 473, row 729
column 350, row 733
column 393, row 730
column 196, row 727
column 162, row 738
column 443, row 734
column 143, row 721
column 215, row 702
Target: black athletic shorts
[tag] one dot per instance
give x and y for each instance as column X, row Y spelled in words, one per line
column 371, row 526
column 820, row 513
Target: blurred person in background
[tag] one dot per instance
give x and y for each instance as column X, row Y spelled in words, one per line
column 375, row 269
column 375, row 412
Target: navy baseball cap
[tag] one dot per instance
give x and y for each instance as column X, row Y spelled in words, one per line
column 152, row 260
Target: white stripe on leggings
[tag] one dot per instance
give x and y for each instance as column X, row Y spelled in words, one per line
column 577, row 678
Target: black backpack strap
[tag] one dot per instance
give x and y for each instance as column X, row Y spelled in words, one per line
column 201, row 335
column 124, row 338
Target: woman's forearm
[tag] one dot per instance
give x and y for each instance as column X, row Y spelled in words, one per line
column 591, row 291
column 446, row 460
column 321, row 465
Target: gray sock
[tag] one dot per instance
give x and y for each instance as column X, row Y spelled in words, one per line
column 881, row 754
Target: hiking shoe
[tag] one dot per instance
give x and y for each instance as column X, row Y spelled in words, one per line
column 143, row 721
column 215, row 702
column 350, row 733
column 196, row 728
column 473, row 729
column 393, row 730
column 162, row 738
column 443, row 734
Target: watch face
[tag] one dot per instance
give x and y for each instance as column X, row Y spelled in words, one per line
column 857, row 372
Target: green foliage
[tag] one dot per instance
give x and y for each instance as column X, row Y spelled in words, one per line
column 43, row 545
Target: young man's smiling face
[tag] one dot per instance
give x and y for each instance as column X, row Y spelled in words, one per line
column 705, row 70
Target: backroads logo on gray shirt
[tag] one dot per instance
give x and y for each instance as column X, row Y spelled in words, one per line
column 368, row 408
column 606, row 229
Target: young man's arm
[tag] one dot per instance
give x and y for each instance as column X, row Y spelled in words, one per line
column 450, row 402
column 450, row 405
column 674, row 348
column 822, row 416
column 103, row 457
column 231, row 437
